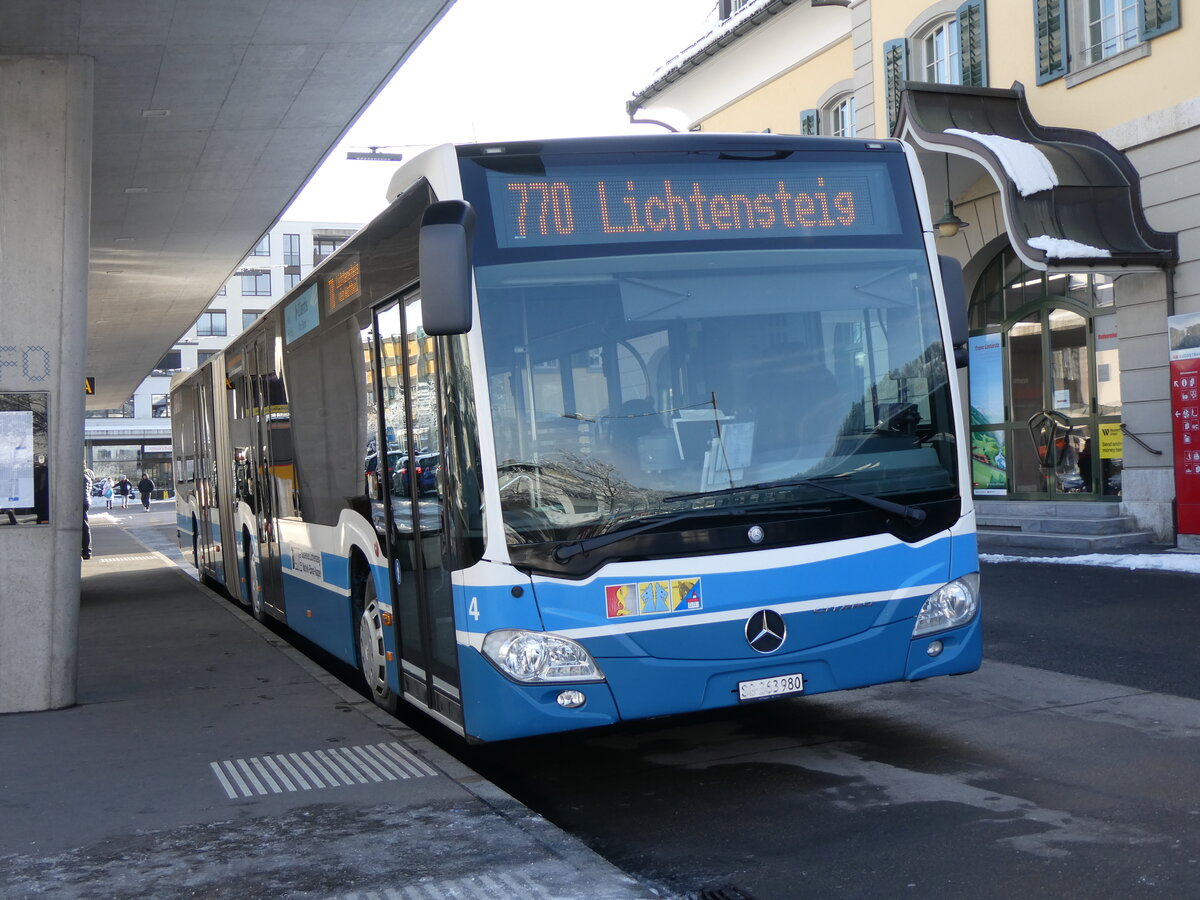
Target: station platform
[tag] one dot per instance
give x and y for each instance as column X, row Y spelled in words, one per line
column 206, row 757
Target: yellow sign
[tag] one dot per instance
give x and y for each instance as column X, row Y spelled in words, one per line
column 1112, row 442
column 89, row 385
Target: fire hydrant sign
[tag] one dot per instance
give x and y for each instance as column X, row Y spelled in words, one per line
column 1184, row 333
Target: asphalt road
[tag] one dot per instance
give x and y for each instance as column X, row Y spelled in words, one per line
column 1137, row 628
column 1068, row 766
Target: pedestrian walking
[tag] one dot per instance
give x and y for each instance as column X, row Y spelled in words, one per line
column 124, row 489
column 146, row 488
column 87, row 504
column 108, row 493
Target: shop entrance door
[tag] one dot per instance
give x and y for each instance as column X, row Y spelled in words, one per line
column 1054, row 416
column 1044, row 353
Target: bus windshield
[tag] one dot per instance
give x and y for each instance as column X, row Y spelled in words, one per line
column 632, row 379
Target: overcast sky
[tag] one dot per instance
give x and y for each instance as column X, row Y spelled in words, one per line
column 494, row 71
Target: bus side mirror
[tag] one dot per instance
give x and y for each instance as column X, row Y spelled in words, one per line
column 445, row 260
column 956, row 307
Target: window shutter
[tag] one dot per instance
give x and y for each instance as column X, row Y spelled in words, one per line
column 895, row 71
column 972, row 39
column 810, row 121
column 1051, row 25
column 1157, row 17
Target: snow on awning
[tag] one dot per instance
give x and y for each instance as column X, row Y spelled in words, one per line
column 1071, row 200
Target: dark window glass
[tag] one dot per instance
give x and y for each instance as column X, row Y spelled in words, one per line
column 325, row 246
column 171, row 362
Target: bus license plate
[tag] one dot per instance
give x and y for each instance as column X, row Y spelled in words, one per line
column 778, row 686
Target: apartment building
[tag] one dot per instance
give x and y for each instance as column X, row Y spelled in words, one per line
column 137, row 437
column 1059, row 141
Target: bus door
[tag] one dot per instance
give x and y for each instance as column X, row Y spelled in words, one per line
column 208, row 551
column 262, row 381
column 409, row 405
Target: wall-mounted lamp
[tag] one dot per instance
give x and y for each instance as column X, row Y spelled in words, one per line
column 949, row 224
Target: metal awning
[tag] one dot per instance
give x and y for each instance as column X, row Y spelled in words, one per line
column 1071, row 200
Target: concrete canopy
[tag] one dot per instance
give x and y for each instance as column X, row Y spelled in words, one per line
column 210, row 115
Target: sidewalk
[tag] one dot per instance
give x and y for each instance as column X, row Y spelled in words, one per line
column 207, row 758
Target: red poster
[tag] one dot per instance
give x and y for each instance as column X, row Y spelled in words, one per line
column 1185, row 415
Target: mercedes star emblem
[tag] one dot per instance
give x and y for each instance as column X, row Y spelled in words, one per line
column 765, row 631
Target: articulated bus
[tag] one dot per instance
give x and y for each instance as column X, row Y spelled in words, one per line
column 584, row 431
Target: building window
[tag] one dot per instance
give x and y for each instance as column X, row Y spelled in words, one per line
column 211, row 324
column 256, row 284
column 263, row 247
column 940, row 62
column 950, row 50
column 1074, row 34
column 290, row 280
column 1111, row 27
column 203, row 356
column 840, row 114
column 325, row 246
column 291, row 249
column 160, row 406
column 249, row 316
column 221, row 292
column 171, row 362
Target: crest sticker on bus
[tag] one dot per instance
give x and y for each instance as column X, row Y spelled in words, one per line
column 650, row 598
column 619, row 598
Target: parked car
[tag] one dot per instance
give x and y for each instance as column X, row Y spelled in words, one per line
column 428, row 466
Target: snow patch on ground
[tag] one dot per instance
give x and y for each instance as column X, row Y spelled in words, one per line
column 1162, row 562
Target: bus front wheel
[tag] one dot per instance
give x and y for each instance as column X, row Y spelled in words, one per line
column 372, row 657
column 253, row 588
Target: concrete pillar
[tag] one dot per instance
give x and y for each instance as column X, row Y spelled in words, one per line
column 45, row 209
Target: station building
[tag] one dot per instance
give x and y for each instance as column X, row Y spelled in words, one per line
column 1059, row 143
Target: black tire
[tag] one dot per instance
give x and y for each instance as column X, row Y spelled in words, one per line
column 256, row 600
column 372, row 658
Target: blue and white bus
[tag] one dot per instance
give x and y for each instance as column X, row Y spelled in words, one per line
column 585, row 431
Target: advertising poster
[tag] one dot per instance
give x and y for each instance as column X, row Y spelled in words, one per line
column 16, row 458
column 989, row 475
column 1184, row 335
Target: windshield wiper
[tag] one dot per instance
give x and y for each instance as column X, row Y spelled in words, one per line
column 569, row 550
column 908, row 513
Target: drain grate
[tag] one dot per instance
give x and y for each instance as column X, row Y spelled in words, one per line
column 316, row 769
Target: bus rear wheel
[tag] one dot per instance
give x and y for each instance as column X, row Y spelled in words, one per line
column 372, row 657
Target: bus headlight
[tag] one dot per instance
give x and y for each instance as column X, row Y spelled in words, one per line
column 951, row 605
column 533, row 657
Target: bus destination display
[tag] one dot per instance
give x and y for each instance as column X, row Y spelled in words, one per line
column 691, row 203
